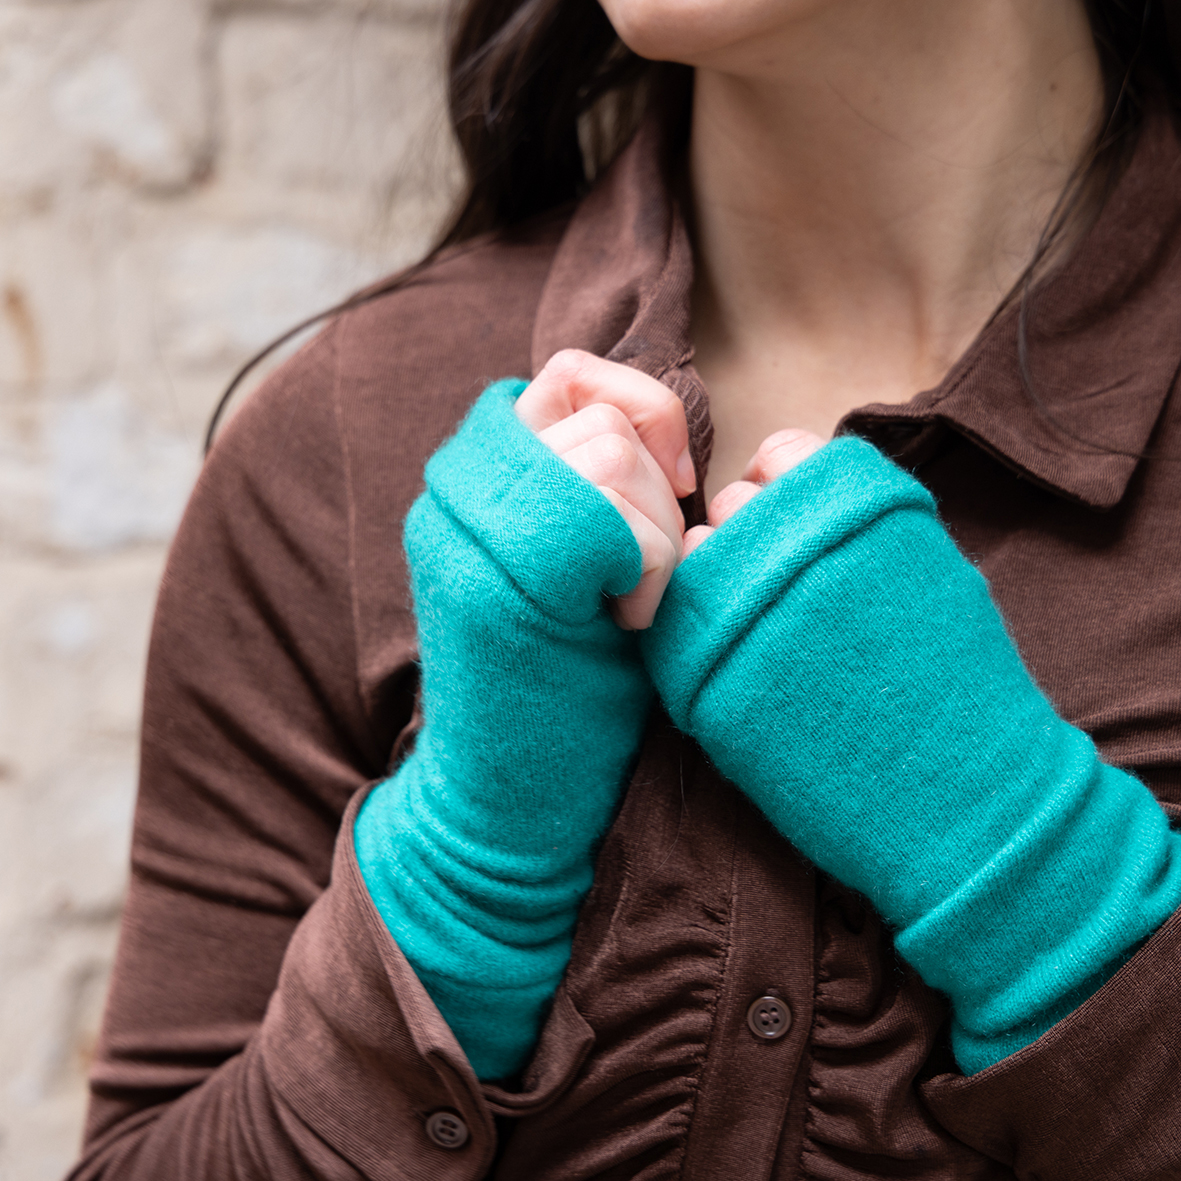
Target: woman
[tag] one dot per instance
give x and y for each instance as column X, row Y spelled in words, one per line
column 851, row 202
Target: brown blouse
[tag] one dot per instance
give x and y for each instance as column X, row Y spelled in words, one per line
column 262, row 1023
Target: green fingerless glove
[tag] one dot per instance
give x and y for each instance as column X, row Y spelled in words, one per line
column 843, row 664
column 478, row 852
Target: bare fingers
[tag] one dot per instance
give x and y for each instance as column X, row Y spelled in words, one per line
column 777, row 455
column 626, row 433
column 573, row 379
column 658, row 557
column 600, row 443
column 693, row 538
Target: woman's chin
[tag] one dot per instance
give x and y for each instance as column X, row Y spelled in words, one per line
column 697, row 32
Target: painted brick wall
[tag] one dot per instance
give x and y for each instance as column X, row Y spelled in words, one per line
column 179, row 181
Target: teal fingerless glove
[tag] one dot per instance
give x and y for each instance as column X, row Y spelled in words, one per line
column 842, row 663
column 478, row 852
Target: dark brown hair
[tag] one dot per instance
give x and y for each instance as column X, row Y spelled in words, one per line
column 519, row 98
column 543, row 95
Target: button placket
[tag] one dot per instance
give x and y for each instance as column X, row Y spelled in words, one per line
column 768, row 1018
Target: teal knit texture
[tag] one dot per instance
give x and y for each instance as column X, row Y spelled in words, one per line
column 844, row 665
column 479, row 850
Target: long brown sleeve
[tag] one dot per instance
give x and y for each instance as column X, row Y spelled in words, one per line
column 338, row 1080
column 255, row 738
column 261, row 1022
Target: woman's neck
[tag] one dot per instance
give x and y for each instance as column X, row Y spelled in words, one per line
column 868, row 183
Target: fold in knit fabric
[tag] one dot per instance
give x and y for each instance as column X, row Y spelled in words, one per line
column 844, row 665
column 478, row 852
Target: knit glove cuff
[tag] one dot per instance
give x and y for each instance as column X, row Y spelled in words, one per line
column 834, row 494
column 570, row 548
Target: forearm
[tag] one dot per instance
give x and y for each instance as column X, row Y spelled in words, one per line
column 902, row 745
column 479, row 851
column 336, row 1082
column 487, row 929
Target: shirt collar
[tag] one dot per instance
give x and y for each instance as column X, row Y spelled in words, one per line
column 1103, row 343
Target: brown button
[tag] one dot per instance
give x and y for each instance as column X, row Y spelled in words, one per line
column 769, row 1018
column 446, row 1129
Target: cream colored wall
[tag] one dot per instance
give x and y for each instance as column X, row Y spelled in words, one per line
column 179, row 181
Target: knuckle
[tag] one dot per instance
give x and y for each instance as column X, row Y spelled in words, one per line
column 724, row 499
column 672, row 410
column 659, row 556
column 567, row 366
column 607, row 419
column 771, row 447
column 789, row 442
column 791, row 435
column 668, row 554
column 729, row 500
column 694, row 537
column 662, row 410
column 612, row 457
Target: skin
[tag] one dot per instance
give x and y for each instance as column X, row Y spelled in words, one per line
column 868, row 180
column 626, row 433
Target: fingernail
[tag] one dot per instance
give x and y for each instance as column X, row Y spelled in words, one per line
column 686, row 473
